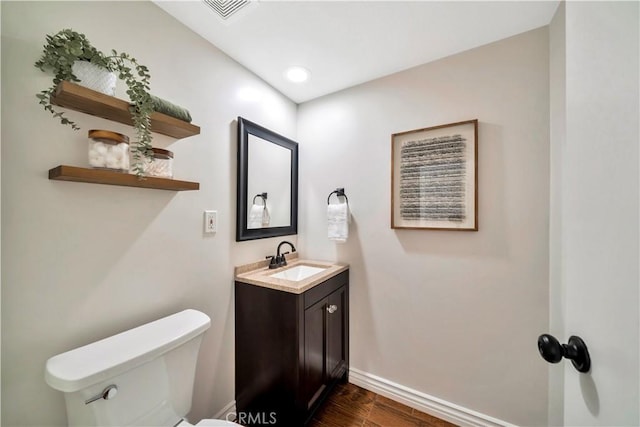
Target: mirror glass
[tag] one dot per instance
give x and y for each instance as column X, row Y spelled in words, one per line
column 269, row 172
column 267, row 199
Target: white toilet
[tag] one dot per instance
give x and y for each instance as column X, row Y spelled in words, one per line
column 140, row 377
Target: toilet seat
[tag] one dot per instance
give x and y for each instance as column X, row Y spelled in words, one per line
column 207, row 423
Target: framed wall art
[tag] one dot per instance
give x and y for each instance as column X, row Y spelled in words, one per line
column 434, row 177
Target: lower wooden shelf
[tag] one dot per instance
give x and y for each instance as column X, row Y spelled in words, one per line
column 99, row 176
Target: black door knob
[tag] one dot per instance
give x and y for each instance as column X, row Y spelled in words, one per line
column 550, row 349
column 575, row 350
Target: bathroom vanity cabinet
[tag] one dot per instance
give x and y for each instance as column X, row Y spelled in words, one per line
column 291, row 349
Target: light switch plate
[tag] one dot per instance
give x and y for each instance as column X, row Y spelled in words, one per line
column 210, row 221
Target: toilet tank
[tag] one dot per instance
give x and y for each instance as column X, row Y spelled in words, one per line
column 152, row 368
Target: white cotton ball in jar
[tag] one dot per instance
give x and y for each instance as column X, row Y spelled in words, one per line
column 118, row 164
column 93, row 152
column 108, row 149
column 117, row 154
column 97, row 161
column 110, row 160
column 112, row 163
column 100, row 148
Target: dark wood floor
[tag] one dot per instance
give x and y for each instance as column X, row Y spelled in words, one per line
column 352, row 406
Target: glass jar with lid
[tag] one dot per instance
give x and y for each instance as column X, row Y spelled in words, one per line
column 108, row 150
column 162, row 164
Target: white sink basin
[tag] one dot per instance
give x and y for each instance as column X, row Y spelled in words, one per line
column 297, row 273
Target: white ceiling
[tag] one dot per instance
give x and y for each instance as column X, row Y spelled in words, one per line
column 344, row 43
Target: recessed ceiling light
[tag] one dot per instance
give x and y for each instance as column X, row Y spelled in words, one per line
column 297, row 74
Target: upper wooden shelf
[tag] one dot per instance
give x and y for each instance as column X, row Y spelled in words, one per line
column 79, row 98
column 99, row 176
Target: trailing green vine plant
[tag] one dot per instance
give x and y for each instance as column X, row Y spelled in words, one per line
column 142, row 107
column 67, row 46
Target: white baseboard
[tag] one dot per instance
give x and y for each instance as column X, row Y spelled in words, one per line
column 423, row 402
column 230, row 408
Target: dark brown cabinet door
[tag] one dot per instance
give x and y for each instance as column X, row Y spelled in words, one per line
column 315, row 368
column 336, row 334
column 325, row 343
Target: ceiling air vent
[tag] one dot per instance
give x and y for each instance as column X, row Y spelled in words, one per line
column 226, row 9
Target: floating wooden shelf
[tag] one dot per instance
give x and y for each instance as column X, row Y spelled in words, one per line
column 79, row 98
column 99, row 176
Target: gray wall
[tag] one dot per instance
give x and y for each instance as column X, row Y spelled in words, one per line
column 80, row 261
column 451, row 314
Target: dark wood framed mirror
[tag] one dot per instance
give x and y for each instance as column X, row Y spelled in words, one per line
column 267, row 195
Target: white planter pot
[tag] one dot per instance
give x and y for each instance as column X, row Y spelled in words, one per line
column 95, row 77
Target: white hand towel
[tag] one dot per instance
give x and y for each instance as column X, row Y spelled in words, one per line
column 266, row 217
column 338, row 219
column 255, row 216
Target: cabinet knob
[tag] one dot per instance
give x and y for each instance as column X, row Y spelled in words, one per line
column 332, row 308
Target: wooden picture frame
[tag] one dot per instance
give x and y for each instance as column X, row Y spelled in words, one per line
column 434, row 178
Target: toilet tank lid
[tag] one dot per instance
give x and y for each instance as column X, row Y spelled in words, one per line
column 101, row 360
